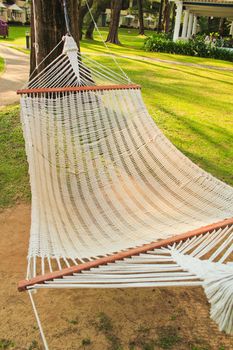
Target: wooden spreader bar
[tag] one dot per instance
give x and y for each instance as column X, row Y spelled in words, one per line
column 78, row 88
column 24, row 284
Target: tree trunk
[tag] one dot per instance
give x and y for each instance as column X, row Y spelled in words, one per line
column 166, row 16
column 82, row 13
column 49, row 28
column 90, row 29
column 221, row 26
column 100, row 7
column 160, row 16
column 116, row 6
column 173, row 16
column 140, row 17
column 208, row 24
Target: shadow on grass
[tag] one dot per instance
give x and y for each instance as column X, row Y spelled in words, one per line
column 185, row 70
column 218, row 145
column 98, row 46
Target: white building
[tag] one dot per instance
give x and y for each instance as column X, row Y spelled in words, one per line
column 188, row 11
column 129, row 17
column 19, row 11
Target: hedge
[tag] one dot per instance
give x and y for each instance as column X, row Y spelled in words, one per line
column 192, row 47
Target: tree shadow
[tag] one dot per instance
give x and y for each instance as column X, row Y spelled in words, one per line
column 98, row 46
column 220, row 142
column 166, row 66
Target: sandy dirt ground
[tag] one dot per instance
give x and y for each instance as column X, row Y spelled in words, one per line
column 97, row 319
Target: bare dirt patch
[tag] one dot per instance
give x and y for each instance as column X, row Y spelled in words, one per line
column 139, row 319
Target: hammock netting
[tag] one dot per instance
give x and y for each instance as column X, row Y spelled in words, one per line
column 105, row 179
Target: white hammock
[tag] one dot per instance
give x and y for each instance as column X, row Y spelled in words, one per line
column 105, row 181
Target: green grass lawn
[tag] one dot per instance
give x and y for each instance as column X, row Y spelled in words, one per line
column 14, row 185
column 193, row 107
column 2, row 64
column 132, row 44
column 16, row 36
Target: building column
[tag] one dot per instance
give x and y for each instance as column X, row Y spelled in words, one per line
column 231, row 29
column 194, row 29
column 4, row 15
column 179, row 8
column 185, row 24
column 190, row 25
column 23, row 16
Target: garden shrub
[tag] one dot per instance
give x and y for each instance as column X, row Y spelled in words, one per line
column 197, row 46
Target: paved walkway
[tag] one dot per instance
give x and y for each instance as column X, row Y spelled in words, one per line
column 14, row 76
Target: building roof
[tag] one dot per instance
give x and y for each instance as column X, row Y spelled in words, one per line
column 209, row 8
column 15, row 7
column 212, row 2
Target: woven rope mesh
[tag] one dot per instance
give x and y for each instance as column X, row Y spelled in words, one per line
column 103, row 176
column 104, row 179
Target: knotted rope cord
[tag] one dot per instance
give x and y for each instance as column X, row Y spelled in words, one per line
column 36, row 45
column 38, row 320
column 100, row 71
column 187, row 263
column 66, row 17
column 38, row 65
column 60, row 73
column 105, row 44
